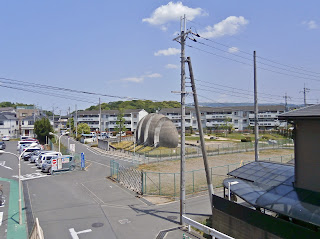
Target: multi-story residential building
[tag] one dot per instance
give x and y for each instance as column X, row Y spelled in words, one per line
column 109, row 119
column 241, row 117
column 9, row 124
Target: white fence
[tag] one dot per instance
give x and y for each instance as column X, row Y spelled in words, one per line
column 36, row 232
column 210, row 231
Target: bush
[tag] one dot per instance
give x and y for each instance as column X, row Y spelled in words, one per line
column 246, row 139
column 187, row 134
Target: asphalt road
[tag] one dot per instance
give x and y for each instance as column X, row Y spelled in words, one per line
column 84, row 204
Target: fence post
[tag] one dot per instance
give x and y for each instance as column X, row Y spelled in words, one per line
column 193, row 181
column 145, row 182
column 159, row 184
column 281, row 159
column 174, row 184
column 142, row 183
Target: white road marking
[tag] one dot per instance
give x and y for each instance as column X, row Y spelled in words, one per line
column 31, row 176
column 30, row 164
column 2, row 163
column 34, row 167
column 74, row 234
column 124, row 221
column 1, row 216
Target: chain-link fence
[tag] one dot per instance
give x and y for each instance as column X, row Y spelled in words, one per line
column 168, row 184
column 158, row 155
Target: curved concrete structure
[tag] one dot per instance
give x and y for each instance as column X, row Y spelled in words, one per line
column 157, row 130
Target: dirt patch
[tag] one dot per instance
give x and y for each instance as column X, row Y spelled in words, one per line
column 218, row 160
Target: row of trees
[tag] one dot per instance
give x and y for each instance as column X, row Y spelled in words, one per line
column 147, row 105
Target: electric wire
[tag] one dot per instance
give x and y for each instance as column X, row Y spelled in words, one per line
column 247, row 53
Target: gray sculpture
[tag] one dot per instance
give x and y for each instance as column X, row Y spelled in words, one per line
column 157, row 130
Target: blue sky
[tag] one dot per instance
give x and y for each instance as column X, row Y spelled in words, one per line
column 125, row 48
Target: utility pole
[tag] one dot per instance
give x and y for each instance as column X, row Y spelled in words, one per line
column 203, row 146
column 286, row 101
column 305, row 91
column 256, row 111
column 181, row 39
column 53, row 118
column 99, row 119
column 60, row 122
column 76, row 120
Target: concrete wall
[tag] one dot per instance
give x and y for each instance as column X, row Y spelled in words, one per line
column 103, row 144
column 307, row 154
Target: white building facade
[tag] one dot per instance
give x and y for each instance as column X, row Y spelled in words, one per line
column 109, row 119
column 241, row 117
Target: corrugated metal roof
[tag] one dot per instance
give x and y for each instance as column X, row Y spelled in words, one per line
column 306, row 112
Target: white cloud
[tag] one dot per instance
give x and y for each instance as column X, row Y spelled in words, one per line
column 171, row 66
column 233, row 49
column 310, row 24
column 167, row 52
column 141, row 78
column 229, row 26
column 154, row 75
column 133, row 79
column 172, row 12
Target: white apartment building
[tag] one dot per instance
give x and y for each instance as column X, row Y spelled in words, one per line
column 242, row 117
column 109, row 119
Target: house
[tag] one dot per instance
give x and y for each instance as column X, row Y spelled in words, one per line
column 9, row 125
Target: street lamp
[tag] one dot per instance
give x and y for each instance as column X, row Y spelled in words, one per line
column 50, row 133
column 19, row 165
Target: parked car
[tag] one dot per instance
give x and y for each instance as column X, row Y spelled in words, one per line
column 24, row 142
column 27, row 153
column 67, row 162
column 2, row 145
column 36, row 154
column 5, row 138
column 45, row 156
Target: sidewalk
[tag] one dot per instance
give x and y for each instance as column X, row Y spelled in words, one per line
column 14, row 229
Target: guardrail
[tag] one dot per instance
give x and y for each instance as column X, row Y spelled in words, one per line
column 210, row 231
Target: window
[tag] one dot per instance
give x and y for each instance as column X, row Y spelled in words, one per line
column 236, row 121
column 30, row 122
column 16, row 122
column 235, row 113
column 1, row 123
column 22, row 122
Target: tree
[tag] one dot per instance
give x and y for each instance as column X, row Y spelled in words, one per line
column 83, row 128
column 42, row 128
column 227, row 126
column 120, row 123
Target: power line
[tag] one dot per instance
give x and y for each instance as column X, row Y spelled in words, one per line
column 262, row 68
column 279, row 68
column 260, row 57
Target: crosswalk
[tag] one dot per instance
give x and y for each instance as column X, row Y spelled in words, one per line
column 101, row 152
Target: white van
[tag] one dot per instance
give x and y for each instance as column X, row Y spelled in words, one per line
column 46, row 156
